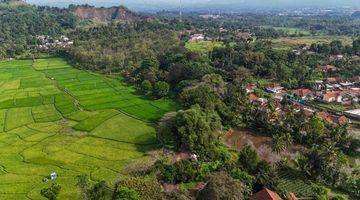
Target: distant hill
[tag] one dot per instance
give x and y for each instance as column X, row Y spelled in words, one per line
column 102, row 14
column 13, row 2
column 156, row 5
column 356, row 14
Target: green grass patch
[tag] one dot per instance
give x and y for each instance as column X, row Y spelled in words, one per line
column 202, row 47
column 11, row 85
column 2, row 120
column 337, row 107
column 65, row 104
column 290, row 42
column 46, row 113
column 92, row 122
column 291, row 31
column 17, row 117
column 80, row 115
column 126, row 129
column 39, row 109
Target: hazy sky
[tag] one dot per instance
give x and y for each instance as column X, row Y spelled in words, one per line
column 171, row 4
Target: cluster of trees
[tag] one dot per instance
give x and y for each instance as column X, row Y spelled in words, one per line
column 51, row 192
column 197, row 130
column 120, row 46
column 100, row 190
column 213, row 98
column 21, row 24
column 336, row 47
column 242, row 174
column 261, row 24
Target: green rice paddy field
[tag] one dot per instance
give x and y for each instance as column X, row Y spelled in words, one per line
column 55, row 118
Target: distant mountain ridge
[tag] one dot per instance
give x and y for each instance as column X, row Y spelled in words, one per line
column 119, row 13
column 145, row 5
column 356, row 14
column 13, row 2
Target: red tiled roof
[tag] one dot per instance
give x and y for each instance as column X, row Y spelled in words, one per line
column 253, row 97
column 331, row 79
column 330, row 95
column 250, row 87
column 326, row 117
column 302, row 92
column 327, row 68
column 342, row 120
column 332, row 119
column 265, row 194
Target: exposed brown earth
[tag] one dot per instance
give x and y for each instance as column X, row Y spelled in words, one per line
column 262, row 144
column 107, row 14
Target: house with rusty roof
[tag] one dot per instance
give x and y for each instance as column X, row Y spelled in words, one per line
column 330, row 97
column 303, row 93
column 265, row 194
column 327, row 68
column 333, row 119
column 250, row 88
column 252, row 97
column 274, row 88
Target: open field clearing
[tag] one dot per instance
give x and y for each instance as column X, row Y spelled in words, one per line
column 202, row 47
column 54, row 118
column 289, row 42
column 290, row 31
column 95, row 92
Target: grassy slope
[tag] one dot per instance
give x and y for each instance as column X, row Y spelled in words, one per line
column 40, row 107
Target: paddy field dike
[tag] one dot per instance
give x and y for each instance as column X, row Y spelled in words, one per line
column 55, row 118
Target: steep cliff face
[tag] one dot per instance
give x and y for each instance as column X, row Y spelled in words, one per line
column 107, row 14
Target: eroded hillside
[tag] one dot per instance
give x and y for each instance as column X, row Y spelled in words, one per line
column 107, row 14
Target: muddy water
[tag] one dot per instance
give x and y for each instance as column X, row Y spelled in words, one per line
column 240, row 138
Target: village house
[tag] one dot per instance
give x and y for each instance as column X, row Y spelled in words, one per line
column 265, row 194
column 330, row 97
column 252, row 98
column 247, row 36
column 303, row 93
column 250, row 88
column 327, row 68
column 333, row 119
column 356, row 79
column 336, row 58
column 274, row 88
column 346, row 85
column 355, row 58
column 197, row 37
column 209, row 16
column 47, row 42
column 319, row 85
column 339, row 57
column 223, row 30
column 279, row 96
column 331, row 80
column 334, row 96
column 345, row 97
column 297, row 52
column 260, row 101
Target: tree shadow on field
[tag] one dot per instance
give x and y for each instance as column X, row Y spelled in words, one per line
column 147, row 144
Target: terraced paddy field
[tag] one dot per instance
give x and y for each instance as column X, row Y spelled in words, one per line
column 55, row 118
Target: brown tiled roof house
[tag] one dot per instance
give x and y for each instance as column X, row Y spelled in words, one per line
column 302, row 92
column 265, row 194
column 326, row 68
